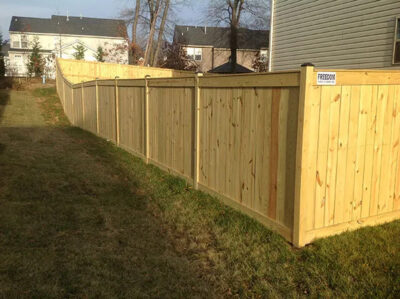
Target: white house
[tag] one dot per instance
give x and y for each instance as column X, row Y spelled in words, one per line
column 335, row 34
column 58, row 37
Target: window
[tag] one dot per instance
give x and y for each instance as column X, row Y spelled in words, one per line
column 396, row 48
column 24, row 41
column 264, row 56
column 15, row 44
column 194, row 53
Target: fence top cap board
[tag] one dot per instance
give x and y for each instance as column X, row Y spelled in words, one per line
column 357, row 70
column 124, row 65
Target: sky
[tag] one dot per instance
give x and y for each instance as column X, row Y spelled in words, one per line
column 88, row 8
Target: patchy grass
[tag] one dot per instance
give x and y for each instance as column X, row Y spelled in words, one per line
column 82, row 218
column 52, row 109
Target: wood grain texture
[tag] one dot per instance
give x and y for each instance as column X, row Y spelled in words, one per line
column 89, row 108
column 171, row 128
column 107, row 112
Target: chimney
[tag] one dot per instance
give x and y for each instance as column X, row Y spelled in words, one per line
column 81, row 16
column 205, row 29
column 67, row 15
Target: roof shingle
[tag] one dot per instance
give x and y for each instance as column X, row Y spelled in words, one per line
column 218, row 37
column 69, row 25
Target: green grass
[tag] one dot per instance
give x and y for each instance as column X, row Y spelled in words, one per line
column 80, row 217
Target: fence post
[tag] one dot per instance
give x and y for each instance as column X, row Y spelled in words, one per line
column 97, row 108
column 116, row 111
column 196, row 127
column 83, row 106
column 73, row 105
column 63, row 91
column 146, row 119
column 303, row 139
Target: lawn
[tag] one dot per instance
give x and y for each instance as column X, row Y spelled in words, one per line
column 80, row 217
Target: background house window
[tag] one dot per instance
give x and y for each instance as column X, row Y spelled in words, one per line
column 264, row 56
column 396, row 52
column 15, row 44
column 194, row 53
column 24, row 42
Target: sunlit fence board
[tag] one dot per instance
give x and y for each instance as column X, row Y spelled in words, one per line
column 247, row 147
column 77, row 111
column 171, row 128
column 132, row 118
column 89, row 107
column 107, row 113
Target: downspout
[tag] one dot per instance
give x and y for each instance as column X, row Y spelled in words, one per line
column 271, row 33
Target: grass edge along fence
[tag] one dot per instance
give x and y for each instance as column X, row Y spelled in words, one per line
column 304, row 159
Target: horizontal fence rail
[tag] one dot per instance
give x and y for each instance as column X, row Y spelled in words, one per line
column 307, row 160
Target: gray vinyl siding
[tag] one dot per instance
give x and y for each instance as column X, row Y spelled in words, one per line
column 334, row 34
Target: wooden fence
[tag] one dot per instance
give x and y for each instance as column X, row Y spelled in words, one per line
column 77, row 71
column 304, row 159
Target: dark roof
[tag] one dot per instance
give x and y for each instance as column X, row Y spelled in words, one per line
column 70, row 25
column 218, row 37
column 227, row 69
column 4, row 49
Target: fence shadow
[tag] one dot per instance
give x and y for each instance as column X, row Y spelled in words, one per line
column 87, row 221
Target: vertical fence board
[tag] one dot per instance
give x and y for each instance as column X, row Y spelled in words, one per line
column 322, row 157
column 342, row 153
column 77, row 107
column 365, row 111
column 89, row 105
column 384, row 188
column 171, row 128
column 351, row 153
column 369, row 153
column 393, row 148
column 376, row 174
column 132, row 101
column 334, row 116
column 107, row 112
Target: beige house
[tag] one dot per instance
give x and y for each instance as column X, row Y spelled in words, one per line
column 58, row 37
column 209, row 47
column 335, row 34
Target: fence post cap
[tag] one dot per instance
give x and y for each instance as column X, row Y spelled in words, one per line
column 307, row 64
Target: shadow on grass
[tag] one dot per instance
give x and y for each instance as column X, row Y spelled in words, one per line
column 73, row 224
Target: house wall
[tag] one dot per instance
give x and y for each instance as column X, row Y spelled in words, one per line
column 221, row 56
column 334, row 34
column 115, row 47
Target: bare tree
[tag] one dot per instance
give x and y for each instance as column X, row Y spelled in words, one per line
column 154, row 10
column 236, row 14
column 135, row 21
column 148, row 19
column 161, row 31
